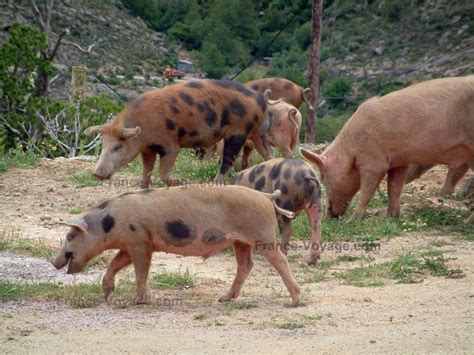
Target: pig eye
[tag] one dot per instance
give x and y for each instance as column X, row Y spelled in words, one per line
column 70, row 237
column 117, row 147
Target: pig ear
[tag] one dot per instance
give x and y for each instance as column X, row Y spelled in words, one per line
column 130, row 132
column 79, row 223
column 313, row 158
column 93, row 130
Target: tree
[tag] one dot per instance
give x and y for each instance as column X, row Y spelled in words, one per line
column 43, row 19
column 316, row 25
column 212, row 61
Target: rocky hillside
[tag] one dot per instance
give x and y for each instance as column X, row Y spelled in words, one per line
column 402, row 40
column 119, row 43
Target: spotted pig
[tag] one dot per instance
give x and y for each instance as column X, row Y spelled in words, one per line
column 300, row 190
column 281, row 88
column 184, row 115
column 185, row 220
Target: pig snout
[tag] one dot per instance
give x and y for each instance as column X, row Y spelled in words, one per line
column 103, row 172
column 62, row 259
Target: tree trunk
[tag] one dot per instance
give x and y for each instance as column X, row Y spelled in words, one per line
column 316, row 25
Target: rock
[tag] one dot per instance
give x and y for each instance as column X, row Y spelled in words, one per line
column 443, row 40
column 378, row 50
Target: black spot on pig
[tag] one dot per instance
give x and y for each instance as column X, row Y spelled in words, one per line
column 236, row 107
column 194, row 84
column 249, row 127
column 284, row 188
column 300, row 177
column 200, row 106
column 288, row 86
column 179, row 233
column 225, row 117
column 232, row 85
column 213, row 236
column 211, row 117
column 288, row 205
column 260, row 184
column 275, row 172
column 103, row 205
column 170, row 125
column 187, row 98
column 193, row 133
column 157, row 148
column 277, row 185
column 132, row 227
column 108, row 223
column 69, row 255
column 181, row 132
column 174, row 109
column 255, row 87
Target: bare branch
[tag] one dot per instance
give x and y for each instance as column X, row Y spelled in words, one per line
column 88, row 50
column 58, row 43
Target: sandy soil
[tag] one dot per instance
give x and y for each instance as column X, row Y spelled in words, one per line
column 433, row 316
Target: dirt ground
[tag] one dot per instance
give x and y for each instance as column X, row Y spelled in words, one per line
column 436, row 315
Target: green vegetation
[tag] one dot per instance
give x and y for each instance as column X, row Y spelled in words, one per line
column 410, row 267
column 84, row 179
column 171, row 280
column 10, row 241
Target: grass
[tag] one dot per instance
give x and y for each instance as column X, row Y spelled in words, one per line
column 290, row 325
column 18, row 157
column 166, row 280
column 80, row 295
column 84, row 179
column 36, row 248
column 410, row 267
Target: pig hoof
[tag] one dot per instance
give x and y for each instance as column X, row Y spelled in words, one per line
column 313, row 260
column 225, row 299
column 140, row 300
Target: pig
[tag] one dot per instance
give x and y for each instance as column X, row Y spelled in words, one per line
column 283, row 131
column 281, row 88
column 434, row 125
column 187, row 220
column 183, row 115
column 453, row 177
column 300, row 189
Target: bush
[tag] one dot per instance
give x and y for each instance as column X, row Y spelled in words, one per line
column 329, row 126
column 336, row 91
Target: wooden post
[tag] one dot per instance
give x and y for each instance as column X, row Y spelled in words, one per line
column 78, row 82
column 316, row 26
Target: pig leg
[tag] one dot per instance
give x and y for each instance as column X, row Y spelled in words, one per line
column 120, row 260
column 262, row 147
column 141, row 258
column 415, row 171
column 314, row 216
column 232, row 147
column 395, row 181
column 369, row 180
column 148, row 160
column 246, row 155
column 243, row 254
column 453, row 177
column 167, row 162
column 273, row 254
column 286, row 230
